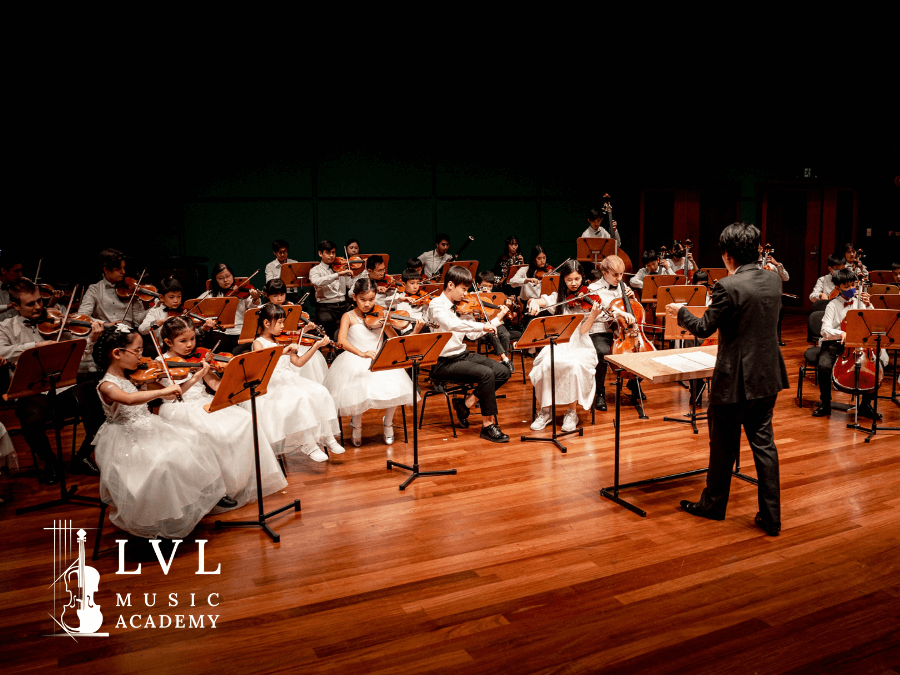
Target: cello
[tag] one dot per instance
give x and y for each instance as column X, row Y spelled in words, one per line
column 854, row 371
column 629, row 337
column 81, row 583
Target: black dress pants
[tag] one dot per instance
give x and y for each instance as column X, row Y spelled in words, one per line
column 328, row 315
column 829, row 353
column 603, row 345
column 471, row 368
column 725, row 423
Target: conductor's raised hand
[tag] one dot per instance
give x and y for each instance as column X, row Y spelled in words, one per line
column 672, row 309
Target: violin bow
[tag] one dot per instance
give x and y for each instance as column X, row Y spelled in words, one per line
column 62, row 325
column 387, row 314
column 37, row 273
column 483, row 310
column 238, row 287
column 133, row 295
column 164, row 364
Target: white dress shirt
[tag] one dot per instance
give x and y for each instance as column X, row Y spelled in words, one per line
column 273, row 269
column 637, row 281
column 16, row 336
column 153, row 315
column 433, row 262
column 381, row 298
column 330, row 287
column 835, row 312
column 101, row 302
column 527, row 290
column 441, row 312
column 601, row 233
column 607, row 294
column 6, row 311
column 684, row 266
column 779, row 270
column 824, row 285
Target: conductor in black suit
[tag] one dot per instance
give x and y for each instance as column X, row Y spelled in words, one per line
column 748, row 376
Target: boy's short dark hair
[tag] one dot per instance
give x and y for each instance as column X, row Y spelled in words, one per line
column 486, row 276
column 834, row 259
column 9, row 258
column 414, row 264
column 843, row 276
column 170, row 285
column 275, row 287
column 279, row 244
column 23, row 286
column 110, row 258
column 700, row 277
column 460, row 276
column 442, row 236
column 649, row 256
column 373, row 261
column 327, row 245
column 895, row 266
column 410, row 275
column 740, row 241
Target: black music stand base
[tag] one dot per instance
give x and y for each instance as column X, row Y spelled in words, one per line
column 263, row 516
column 555, row 434
column 612, row 492
column 416, row 472
column 692, row 416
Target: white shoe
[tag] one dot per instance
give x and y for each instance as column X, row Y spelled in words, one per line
column 543, row 419
column 388, row 432
column 356, row 435
column 334, row 447
column 318, row 455
column 570, row 421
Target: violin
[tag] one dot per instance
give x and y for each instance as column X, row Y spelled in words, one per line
column 77, row 324
column 354, row 263
column 128, row 287
column 470, row 304
column 397, row 318
column 387, row 283
column 217, row 362
column 844, row 374
column 150, row 369
column 243, row 289
column 82, row 582
column 296, row 337
column 539, row 274
column 629, row 337
column 764, row 263
column 420, row 298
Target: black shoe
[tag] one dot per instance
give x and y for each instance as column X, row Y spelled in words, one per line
column 780, row 343
column 695, row 510
column 600, row 401
column 866, row 410
column 462, row 412
column 227, row 502
column 84, row 467
column 509, row 364
column 823, row 410
column 493, row 433
column 50, row 476
column 770, row 529
column 632, row 386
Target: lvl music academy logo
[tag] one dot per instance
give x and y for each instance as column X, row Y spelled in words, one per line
column 74, row 585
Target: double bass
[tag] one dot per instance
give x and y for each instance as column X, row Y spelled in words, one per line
column 858, row 359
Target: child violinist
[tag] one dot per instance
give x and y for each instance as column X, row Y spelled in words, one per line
column 230, row 428
column 170, row 294
column 411, row 299
column 354, row 387
column 575, row 361
column 352, row 247
column 222, row 283
column 102, row 302
column 296, row 413
column 331, row 289
column 316, row 368
column 159, row 477
column 501, row 340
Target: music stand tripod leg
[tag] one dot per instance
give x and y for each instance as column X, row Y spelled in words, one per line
column 612, row 492
column 875, row 428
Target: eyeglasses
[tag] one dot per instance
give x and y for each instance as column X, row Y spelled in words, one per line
column 139, row 353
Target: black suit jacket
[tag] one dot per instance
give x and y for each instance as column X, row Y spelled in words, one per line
column 744, row 309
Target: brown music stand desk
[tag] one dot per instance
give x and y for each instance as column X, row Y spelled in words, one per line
column 549, row 284
column 644, row 365
column 251, row 319
column 296, row 275
column 245, row 378
column 889, row 301
column 551, row 330
column 881, row 276
column 652, row 284
column 883, row 289
column 45, row 369
column 471, row 265
column 513, row 270
column 715, row 273
column 220, row 308
column 676, row 332
column 694, row 296
column 412, row 351
column 865, row 326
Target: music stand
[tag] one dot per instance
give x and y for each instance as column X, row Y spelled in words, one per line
column 296, row 275
column 883, row 289
column 471, row 265
column 589, row 250
column 881, row 277
column 513, row 270
column 251, row 319
column 45, row 369
column 715, row 273
column 247, row 376
column 543, row 331
column 412, row 351
column 222, row 309
column 693, row 296
column 549, row 284
column 885, row 301
column 862, row 326
column 677, row 332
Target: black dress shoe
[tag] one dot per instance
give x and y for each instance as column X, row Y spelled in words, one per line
column 866, row 410
column 50, row 476
column 632, row 386
column 695, row 509
column 462, row 412
column 600, row 401
column 493, row 433
column 770, row 529
column 227, row 502
column 84, row 467
column 780, row 343
column 509, row 364
column 822, row 411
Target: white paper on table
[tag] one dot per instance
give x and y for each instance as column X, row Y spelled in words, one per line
column 678, row 362
column 704, row 359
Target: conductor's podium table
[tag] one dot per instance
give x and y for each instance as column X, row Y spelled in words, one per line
column 694, row 363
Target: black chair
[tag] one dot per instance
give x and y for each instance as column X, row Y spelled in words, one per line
column 445, row 388
column 811, row 355
column 484, row 342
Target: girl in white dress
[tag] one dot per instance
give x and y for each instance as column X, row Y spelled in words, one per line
column 354, row 387
column 297, row 414
column 159, row 477
column 574, row 361
column 230, row 428
column 316, row 368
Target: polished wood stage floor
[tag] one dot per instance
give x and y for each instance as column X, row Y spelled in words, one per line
column 515, row 565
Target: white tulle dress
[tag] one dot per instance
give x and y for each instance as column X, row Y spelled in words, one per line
column 232, row 432
column 315, row 369
column 575, row 363
column 355, row 388
column 159, row 477
column 296, row 413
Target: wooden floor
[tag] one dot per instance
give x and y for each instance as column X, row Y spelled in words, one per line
column 515, row 565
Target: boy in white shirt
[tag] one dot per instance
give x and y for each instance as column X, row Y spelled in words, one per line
column 273, row 269
column 824, row 285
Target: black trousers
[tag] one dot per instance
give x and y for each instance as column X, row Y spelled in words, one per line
column 328, row 315
column 829, row 353
column 725, row 423
column 474, row 368
column 34, row 414
column 603, row 345
column 501, row 341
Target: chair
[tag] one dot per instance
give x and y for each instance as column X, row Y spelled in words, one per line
column 445, row 388
column 811, row 355
column 484, row 341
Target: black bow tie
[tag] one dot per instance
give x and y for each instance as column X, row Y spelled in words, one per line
column 4, row 287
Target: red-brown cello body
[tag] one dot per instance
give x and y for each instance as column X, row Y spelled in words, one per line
column 844, row 374
column 629, row 338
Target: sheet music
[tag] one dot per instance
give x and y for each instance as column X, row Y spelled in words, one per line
column 704, row 359
column 687, row 363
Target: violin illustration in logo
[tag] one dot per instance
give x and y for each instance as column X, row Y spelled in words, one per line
column 80, row 616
